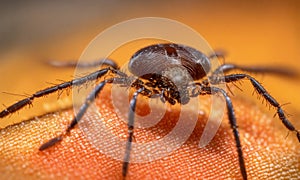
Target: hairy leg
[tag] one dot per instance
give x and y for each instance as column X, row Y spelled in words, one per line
column 76, row 82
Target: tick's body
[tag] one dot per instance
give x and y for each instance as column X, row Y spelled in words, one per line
column 173, row 72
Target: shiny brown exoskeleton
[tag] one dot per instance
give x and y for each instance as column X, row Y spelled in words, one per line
column 174, row 73
column 159, row 58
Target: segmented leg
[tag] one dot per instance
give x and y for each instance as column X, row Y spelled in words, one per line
column 96, row 63
column 263, row 92
column 225, row 68
column 233, row 124
column 130, row 125
column 76, row 82
column 89, row 100
column 219, row 54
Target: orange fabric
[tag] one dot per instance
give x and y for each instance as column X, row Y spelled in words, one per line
column 268, row 154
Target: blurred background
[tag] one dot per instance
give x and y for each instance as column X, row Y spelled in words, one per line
column 258, row 32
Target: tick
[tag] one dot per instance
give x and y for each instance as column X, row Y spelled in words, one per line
column 172, row 72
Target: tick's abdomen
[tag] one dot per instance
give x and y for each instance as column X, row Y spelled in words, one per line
column 158, row 58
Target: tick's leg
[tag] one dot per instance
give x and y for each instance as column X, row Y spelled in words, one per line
column 89, row 100
column 130, row 125
column 219, row 54
column 96, row 63
column 225, row 68
column 76, row 82
column 263, row 92
column 233, row 125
